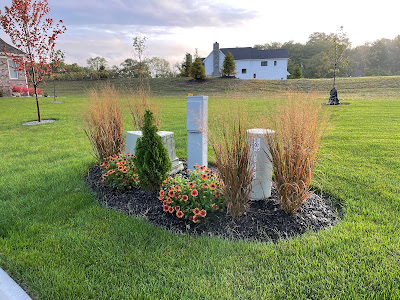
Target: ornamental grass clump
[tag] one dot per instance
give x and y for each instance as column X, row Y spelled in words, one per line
column 233, row 161
column 195, row 197
column 103, row 123
column 152, row 161
column 118, row 171
column 298, row 125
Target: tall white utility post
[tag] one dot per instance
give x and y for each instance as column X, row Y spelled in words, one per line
column 197, row 118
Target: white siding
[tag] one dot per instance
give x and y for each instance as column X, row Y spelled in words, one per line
column 209, row 62
column 262, row 72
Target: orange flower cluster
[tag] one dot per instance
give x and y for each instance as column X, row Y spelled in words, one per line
column 192, row 198
column 118, row 171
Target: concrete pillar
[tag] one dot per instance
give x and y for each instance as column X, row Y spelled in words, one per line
column 196, row 125
column 167, row 137
column 261, row 165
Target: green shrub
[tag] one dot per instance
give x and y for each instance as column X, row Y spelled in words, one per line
column 197, row 70
column 118, row 171
column 195, row 197
column 152, row 161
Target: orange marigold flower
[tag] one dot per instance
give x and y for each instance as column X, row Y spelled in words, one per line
column 213, row 186
column 124, row 170
column 195, row 219
column 171, row 188
column 165, row 202
column 191, row 184
column 202, row 168
column 128, row 154
column 205, row 184
column 185, row 198
column 215, row 206
column 179, row 214
column 102, row 164
column 196, row 211
column 162, row 193
column 105, row 175
column 171, row 193
column 177, row 188
column 203, row 213
column 217, row 194
column 115, row 157
column 111, row 171
column 102, row 178
column 194, row 193
column 165, row 208
column 169, row 200
column 171, row 209
column 120, row 168
column 177, row 208
column 123, row 162
column 204, row 176
column 161, row 198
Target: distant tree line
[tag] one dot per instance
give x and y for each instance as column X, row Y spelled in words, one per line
column 97, row 68
column 310, row 60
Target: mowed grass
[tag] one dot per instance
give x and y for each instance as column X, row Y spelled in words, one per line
column 348, row 88
column 59, row 243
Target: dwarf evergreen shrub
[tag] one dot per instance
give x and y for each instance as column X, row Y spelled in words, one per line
column 152, row 161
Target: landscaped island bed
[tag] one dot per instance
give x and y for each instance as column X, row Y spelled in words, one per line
column 57, row 242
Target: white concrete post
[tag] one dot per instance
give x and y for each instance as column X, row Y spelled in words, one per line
column 261, row 165
column 167, row 137
column 197, row 117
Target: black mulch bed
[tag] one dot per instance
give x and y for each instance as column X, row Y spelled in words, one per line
column 263, row 220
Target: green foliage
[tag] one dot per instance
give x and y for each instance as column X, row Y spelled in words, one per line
column 152, row 161
column 228, row 66
column 195, row 197
column 197, row 70
column 118, row 171
column 296, row 73
column 184, row 68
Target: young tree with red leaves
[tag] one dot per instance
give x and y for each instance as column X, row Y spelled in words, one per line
column 33, row 34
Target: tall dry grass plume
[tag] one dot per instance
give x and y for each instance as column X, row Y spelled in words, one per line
column 138, row 106
column 227, row 134
column 103, row 123
column 299, row 124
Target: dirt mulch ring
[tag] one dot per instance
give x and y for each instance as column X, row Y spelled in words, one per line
column 263, row 220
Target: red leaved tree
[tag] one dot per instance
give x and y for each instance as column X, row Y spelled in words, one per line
column 33, row 34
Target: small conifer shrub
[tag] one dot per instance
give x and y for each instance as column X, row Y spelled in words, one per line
column 152, row 161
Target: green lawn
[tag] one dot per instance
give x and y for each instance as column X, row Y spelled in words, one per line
column 58, row 243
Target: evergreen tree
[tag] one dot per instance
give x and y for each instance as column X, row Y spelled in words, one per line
column 186, row 65
column 197, row 70
column 152, row 161
column 228, row 66
column 296, row 73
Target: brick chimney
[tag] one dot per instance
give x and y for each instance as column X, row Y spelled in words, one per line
column 216, row 72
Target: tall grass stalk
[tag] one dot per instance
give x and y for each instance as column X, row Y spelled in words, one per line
column 103, row 123
column 299, row 124
column 139, row 105
column 233, row 161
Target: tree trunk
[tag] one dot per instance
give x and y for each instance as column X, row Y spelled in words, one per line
column 37, row 103
column 54, row 89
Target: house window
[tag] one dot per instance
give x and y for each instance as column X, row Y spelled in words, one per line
column 275, row 62
column 244, row 71
column 254, row 75
column 12, row 68
column 264, row 63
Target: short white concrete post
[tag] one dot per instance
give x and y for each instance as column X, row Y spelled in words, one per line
column 197, row 117
column 261, row 165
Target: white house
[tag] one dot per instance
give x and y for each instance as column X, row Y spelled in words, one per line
column 251, row 63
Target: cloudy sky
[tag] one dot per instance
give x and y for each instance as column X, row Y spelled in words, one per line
column 173, row 27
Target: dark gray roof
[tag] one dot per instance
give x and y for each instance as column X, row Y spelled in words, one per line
column 254, row 53
column 9, row 48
